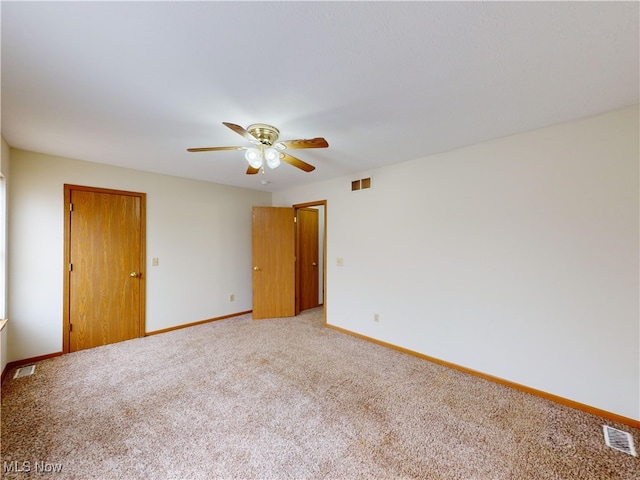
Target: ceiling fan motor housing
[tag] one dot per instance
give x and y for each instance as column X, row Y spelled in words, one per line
column 265, row 134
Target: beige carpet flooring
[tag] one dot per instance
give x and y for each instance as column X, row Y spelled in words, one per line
column 286, row 399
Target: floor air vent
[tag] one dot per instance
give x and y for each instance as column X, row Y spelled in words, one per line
column 619, row 440
column 25, row 371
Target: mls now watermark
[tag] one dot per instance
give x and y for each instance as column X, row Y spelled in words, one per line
column 28, row 467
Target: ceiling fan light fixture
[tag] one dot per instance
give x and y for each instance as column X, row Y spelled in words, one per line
column 254, row 157
column 272, row 156
column 267, row 147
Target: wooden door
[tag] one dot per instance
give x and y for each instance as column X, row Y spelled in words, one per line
column 308, row 270
column 105, row 259
column 273, row 262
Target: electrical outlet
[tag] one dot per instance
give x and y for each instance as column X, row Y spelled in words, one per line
column 376, row 317
column 232, row 298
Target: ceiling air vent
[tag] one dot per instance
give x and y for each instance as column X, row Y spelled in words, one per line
column 619, row 440
column 25, row 371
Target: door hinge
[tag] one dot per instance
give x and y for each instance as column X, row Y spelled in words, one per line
column 295, row 219
column 71, row 327
column 71, row 207
column 71, row 267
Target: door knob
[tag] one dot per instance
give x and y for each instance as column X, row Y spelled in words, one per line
column 256, row 268
column 314, row 264
column 134, row 274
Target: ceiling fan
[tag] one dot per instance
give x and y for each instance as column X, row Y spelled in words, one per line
column 267, row 149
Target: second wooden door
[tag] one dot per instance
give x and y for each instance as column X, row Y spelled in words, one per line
column 308, row 261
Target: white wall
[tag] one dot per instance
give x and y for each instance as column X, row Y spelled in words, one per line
column 200, row 232
column 516, row 257
column 4, row 172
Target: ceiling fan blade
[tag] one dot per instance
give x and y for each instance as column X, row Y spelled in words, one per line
column 251, row 170
column 310, row 143
column 296, row 162
column 212, row 149
column 241, row 131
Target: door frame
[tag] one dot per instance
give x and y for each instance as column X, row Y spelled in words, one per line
column 67, row 254
column 317, row 203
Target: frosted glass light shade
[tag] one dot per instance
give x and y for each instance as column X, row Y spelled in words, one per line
column 273, row 157
column 253, row 157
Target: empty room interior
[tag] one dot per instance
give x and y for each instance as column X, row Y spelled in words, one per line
column 320, row 240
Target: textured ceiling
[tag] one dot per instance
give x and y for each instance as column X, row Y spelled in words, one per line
column 136, row 84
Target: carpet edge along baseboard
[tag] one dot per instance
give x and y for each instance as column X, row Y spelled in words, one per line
column 25, row 361
column 523, row 388
column 193, row 324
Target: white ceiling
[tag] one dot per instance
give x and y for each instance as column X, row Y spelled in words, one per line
column 136, row 84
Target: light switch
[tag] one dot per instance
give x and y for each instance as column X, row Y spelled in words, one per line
column 340, row 262
column 154, row 262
